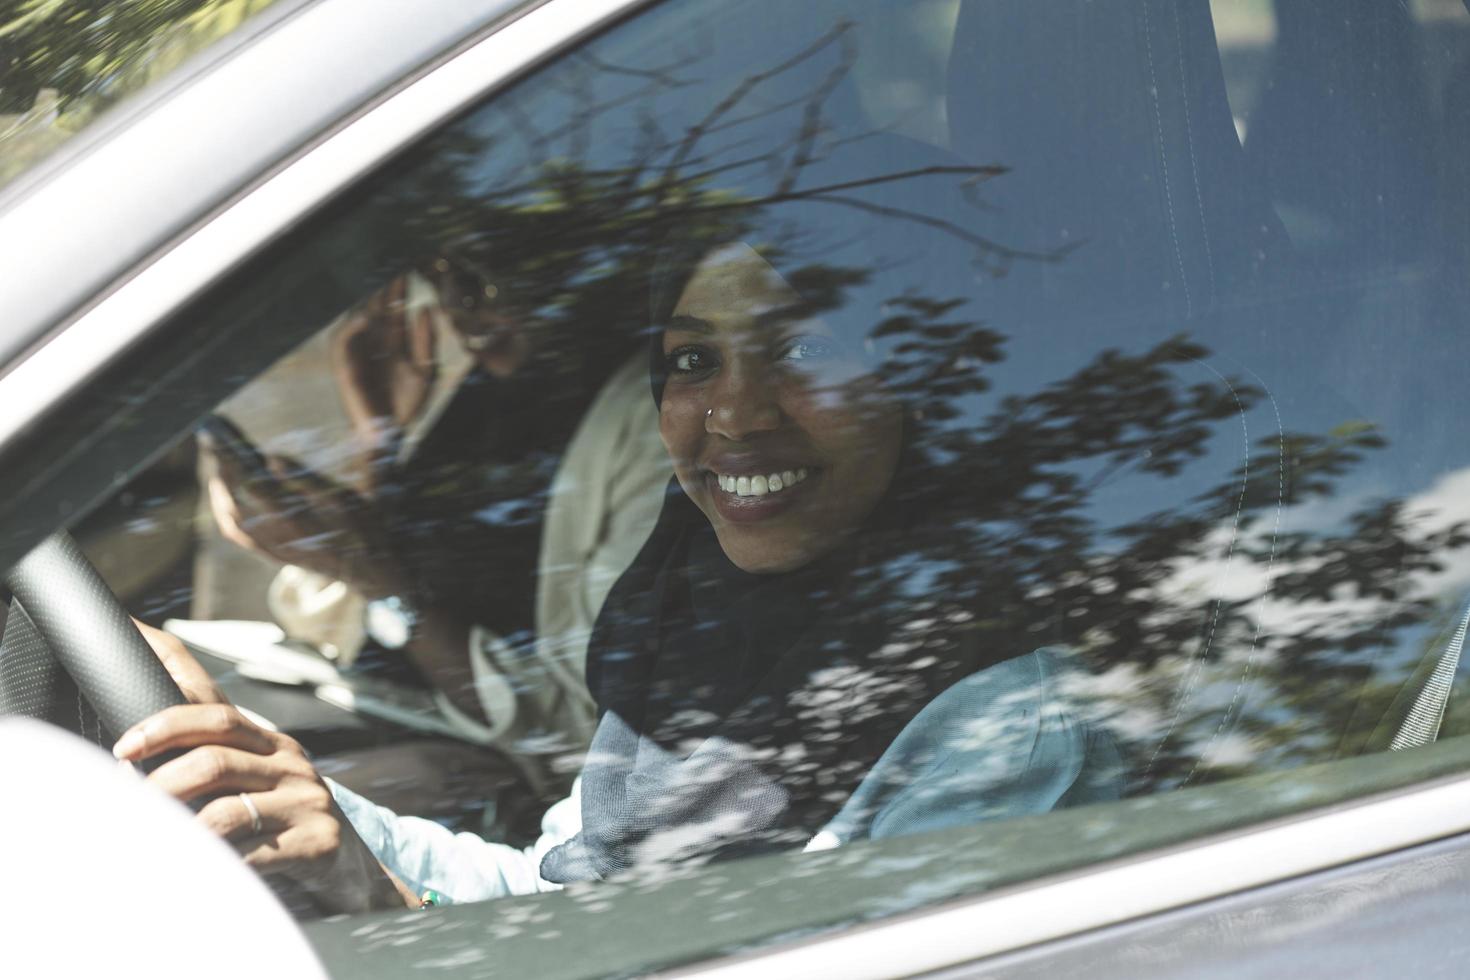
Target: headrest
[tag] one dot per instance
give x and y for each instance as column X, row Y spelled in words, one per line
column 1343, row 132
column 1113, row 119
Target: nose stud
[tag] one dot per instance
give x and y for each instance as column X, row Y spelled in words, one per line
column 708, row 412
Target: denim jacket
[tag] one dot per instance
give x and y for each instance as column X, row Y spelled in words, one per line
column 1007, row 741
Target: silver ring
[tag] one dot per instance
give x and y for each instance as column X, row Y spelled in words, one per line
column 254, row 813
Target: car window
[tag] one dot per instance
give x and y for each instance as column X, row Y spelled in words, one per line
column 61, row 65
column 853, row 425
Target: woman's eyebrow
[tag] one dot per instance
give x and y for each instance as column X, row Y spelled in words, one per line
column 681, row 321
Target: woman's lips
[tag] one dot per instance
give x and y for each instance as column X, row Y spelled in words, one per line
column 739, row 509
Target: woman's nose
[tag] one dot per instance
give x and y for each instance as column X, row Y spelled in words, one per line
column 742, row 402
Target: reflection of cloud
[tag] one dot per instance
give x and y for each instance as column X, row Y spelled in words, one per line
column 1192, row 697
column 1326, row 516
column 1439, row 508
column 1241, row 577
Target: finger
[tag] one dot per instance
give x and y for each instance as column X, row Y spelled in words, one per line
column 260, row 507
column 293, row 850
column 226, row 514
column 212, row 770
column 192, row 679
column 288, row 468
column 228, row 466
column 360, row 343
column 352, row 347
column 386, row 299
column 389, row 299
column 421, row 339
column 247, row 486
column 185, row 726
column 396, row 294
column 318, row 489
column 229, row 817
column 297, row 487
column 275, row 530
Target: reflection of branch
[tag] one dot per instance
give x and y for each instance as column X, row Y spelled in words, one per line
column 986, row 172
column 594, row 109
column 738, row 94
column 979, row 241
column 846, row 185
column 811, row 123
column 581, row 118
column 691, row 179
column 650, row 141
column 771, row 109
column 829, row 193
column 664, row 76
column 534, row 139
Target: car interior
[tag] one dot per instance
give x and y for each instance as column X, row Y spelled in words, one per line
column 1220, row 457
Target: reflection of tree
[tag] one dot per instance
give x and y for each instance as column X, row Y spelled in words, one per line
column 80, row 47
column 63, row 62
column 1291, row 667
column 1023, row 557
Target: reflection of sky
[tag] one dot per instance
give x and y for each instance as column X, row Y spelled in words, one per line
column 1317, row 360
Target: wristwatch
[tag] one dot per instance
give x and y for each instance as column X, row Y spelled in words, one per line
column 390, row 622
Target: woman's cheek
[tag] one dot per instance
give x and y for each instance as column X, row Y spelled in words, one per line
column 844, row 411
column 681, row 427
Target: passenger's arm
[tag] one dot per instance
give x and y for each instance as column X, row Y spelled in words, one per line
column 1007, row 741
column 460, row 867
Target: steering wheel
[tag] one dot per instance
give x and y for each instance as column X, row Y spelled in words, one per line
column 72, row 656
column 68, row 635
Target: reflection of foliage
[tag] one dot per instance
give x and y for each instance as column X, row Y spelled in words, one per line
column 1021, row 553
column 85, row 54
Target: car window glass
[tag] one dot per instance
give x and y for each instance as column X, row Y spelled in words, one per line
column 853, row 433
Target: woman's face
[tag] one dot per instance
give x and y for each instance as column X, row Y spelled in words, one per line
column 776, row 430
column 494, row 338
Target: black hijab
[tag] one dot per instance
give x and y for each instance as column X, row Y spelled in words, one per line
column 740, row 711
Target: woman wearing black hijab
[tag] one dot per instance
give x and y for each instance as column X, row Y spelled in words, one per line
column 765, row 679
column 773, row 672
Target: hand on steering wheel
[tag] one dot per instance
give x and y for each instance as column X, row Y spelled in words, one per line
column 149, row 687
column 263, row 795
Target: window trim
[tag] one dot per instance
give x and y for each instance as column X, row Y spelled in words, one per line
column 63, row 363
column 1116, row 892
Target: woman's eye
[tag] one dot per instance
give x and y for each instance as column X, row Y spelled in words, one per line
column 689, row 360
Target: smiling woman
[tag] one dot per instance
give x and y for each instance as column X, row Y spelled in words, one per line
column 769, row 672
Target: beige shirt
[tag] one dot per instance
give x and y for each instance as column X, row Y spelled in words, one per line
column 603, row 502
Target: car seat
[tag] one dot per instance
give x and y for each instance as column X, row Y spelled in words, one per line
column 1112, row 121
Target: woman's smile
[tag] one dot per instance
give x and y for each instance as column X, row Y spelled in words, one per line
column 743, row 499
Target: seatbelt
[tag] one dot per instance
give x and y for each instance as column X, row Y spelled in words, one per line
column 1421, row 725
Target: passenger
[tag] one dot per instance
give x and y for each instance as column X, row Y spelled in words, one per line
column 538, row 418
column 767, row 675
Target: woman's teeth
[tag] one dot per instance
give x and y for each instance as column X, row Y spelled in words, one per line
column 759, row 486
